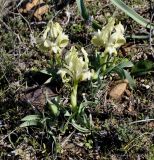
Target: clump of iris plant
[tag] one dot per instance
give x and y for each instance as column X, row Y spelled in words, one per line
column 75, row 69
column 110, row 38
column 54, row 40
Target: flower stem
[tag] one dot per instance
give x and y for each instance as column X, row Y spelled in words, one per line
column 103, row 62
column 74, row 97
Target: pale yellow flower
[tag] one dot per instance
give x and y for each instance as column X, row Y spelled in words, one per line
column 110, row 37
column 53, row 38
column 102, row 37
column 75, row 67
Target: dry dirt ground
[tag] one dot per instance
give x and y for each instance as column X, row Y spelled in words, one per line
column 124, row 128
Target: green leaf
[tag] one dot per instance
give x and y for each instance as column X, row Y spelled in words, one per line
column 109, row 70
column 91, row 121
column 123, row 74
column 79, row 128
column 131, row 13
column 142, row 67
column 96, row 25
column 89, row 144
column 81, row 109
column 131, row 81
column 134, row 36
column 118, row 68
column 119, row 71
column 31, row 118
column 67, row 114
column 82, row 9
column 48, row 80
column 84, row 13
column 53, row 108
column 48, row 71
column 30, row 123
column 128, row 64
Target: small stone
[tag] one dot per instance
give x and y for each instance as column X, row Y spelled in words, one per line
column 117, row 91
column 22, row 66
column 147, row 86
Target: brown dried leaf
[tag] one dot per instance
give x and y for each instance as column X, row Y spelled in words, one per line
column 40, row 11
column 130, row 108
column 117, row 91
column 37, row 96
column 30, row 5
column 34, row 3
column 151, row 124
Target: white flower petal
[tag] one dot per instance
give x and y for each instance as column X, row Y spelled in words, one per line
column 77, row 67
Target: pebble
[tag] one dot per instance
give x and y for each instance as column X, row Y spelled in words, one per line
column 145, row 86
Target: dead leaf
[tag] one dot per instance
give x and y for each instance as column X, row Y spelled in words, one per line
column 117, row 91
column 36, row 96
column 30, row 5
column 130, row 108
column 113, row 157
column 40, row 11
column 151, row 124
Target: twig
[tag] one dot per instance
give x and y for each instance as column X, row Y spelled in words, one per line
column 19, row 14
column 141, row 121
column 8, row 135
